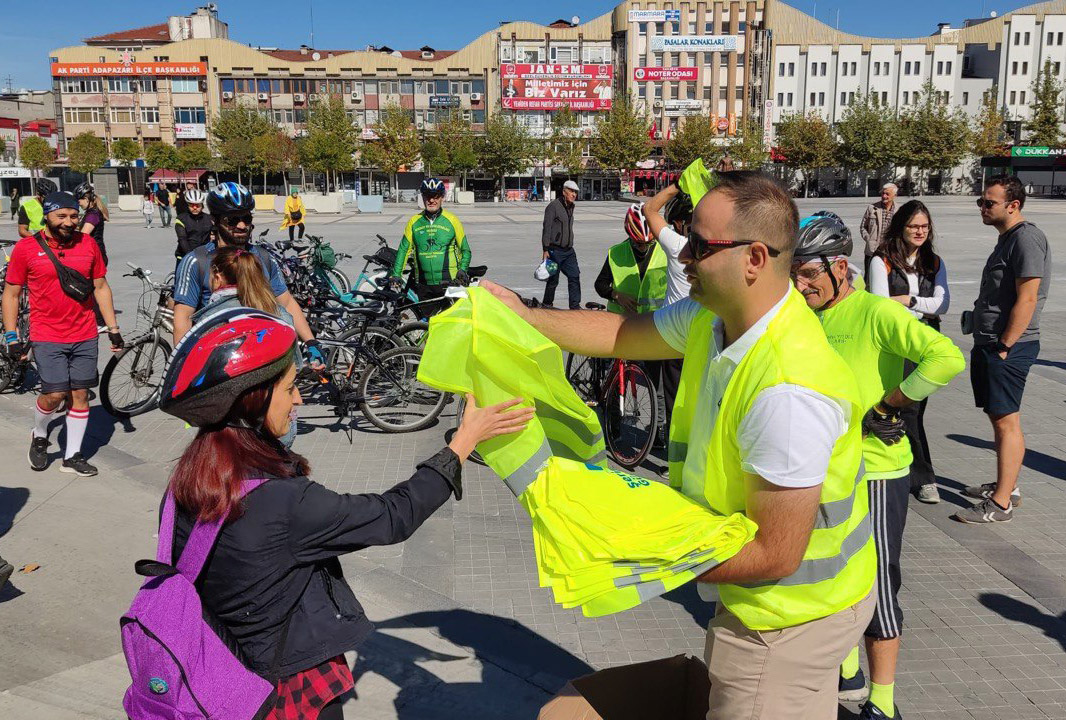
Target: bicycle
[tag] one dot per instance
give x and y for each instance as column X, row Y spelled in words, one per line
column 625, row 397
column 13, row 370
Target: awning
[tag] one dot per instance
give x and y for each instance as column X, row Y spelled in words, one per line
column 170, row 176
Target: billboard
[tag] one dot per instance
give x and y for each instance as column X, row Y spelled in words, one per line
column 550, row 87
column 694, row 43
column 190, row 131
column 677, row 108
column 444, row 101
column 659, row 74
column 654, row 16
column 130, row 68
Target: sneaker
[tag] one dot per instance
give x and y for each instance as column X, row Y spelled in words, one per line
column 985, row 511
column 6, row 569
column 38, row 455
column 983, row 492
column 869, row 711
column 77, row 464
column 929, row 494
column 852, row 689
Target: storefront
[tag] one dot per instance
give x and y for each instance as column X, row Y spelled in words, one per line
column 1041, row 169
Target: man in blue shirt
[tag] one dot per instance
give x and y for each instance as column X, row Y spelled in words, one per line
column 231, row 208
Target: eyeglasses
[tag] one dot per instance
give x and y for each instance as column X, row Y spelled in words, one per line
column 807, row 276
column 701, row 248
column 235, row 220
column 918, row 228
column 987, row 204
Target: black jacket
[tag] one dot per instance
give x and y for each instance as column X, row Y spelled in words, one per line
column 193, row 231
column 605, row 280
column 558, row 229
column 281, row 555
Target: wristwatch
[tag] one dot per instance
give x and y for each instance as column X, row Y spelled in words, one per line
column 1000, row 346
column 912, row 302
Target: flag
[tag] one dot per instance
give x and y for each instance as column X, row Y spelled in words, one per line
column 654, row 129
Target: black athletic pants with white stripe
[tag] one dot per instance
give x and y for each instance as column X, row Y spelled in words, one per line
column 888, row 515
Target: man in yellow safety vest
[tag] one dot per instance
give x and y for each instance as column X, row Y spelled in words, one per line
column 31, row 213
column 633, row 277
column 767, row 423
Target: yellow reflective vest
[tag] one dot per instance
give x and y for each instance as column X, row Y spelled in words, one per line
column 34, row 213
column 839, row 565
column 650, row 290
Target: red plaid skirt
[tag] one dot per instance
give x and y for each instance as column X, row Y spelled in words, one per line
column 303, row 695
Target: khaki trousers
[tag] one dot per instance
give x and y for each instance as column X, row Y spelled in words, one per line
column 788, row 674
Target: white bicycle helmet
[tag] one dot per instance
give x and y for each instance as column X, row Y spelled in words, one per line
column 195, row 197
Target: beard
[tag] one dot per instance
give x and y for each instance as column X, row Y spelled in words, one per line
column 63, row 233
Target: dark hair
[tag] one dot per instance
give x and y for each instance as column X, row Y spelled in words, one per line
column 1012, row 186
column 894, row 248
column 207, row 479
column 763, row 208
column 240, row 267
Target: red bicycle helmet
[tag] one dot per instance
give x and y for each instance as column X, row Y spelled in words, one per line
column 636, row 224
column 219, row 358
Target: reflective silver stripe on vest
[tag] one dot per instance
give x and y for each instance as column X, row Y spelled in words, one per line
column 818, row 569
column 676, row 451
column 580, row 430
column 598, row 458
column 524, row 475
column 835, row 513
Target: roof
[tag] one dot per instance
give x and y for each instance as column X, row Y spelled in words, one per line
column 301, row 56
column 155, row 33
column 417, row 54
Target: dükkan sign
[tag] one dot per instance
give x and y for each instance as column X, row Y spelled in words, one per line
column 694, row 43
column 130, row 68
column 660, row 74
column 550, row 87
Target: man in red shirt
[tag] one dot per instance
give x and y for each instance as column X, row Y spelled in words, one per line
column 62, row 328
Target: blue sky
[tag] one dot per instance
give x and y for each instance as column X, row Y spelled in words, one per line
column 26, row 34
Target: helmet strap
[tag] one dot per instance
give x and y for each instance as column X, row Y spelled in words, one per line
column 833, row 279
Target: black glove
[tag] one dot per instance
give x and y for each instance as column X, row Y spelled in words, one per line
column 462, row 277
column 394, row 284
column 886, row 428
column 15, row 350
column 116, row 339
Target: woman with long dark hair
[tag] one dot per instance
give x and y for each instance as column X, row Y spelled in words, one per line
column 907, row 269
column 273, row 585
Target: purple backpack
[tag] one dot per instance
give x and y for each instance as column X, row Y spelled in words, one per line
column 180, row 666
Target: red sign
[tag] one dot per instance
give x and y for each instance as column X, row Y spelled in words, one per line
column 550, row 87
column 659, row 74
column 128, row 68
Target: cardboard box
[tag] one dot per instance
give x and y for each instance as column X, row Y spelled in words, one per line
column 675, row 688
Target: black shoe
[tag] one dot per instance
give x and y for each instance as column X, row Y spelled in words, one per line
column 869, row 711
column 78, row 465
column 6, row 569
column 852, row 689
column 38, row 455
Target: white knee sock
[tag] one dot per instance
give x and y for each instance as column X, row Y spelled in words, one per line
column 77, row 421
column 41, row 418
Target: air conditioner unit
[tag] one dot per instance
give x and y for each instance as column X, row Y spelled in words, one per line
column 658, row 104
column 475, row 97
column 227, row 96
column 420, row 123
column 357, row 96
column 263, row 97
column 298, row 97
column 658, row 135
column 313, row 97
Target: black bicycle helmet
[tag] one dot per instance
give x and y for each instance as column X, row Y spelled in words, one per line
column 84, row 190
column 228, row 198
column 46, row 187
column 823, row 234
column 679, row 209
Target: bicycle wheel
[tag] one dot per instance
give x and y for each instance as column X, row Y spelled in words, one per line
column 392, row 398
column 131, row 379
column 475, row 456
column 376, row 338
column 10, row 370
column 340, row 281
column 581, row 374
column 630, row 414
column 413, row 333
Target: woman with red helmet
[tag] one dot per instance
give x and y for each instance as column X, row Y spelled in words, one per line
column 273, row 582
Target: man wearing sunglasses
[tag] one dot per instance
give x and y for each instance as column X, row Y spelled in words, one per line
column 874, row 335
column 766, row 423
column 231, row 206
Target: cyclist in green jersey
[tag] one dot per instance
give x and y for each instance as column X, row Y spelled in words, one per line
column 874, row 335
column 438, row 241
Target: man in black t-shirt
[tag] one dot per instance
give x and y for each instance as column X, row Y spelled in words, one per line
column 162, row 198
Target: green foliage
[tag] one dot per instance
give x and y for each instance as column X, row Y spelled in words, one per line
column 932, row 136
column 86, row 153
column 126, row 151
column 1045, row 111
column 397, row 145
column 748, row 148
column 988, row 135
column 695, row 139
column 330, row 130
column 233, row 130
column 194, row 156
column 161, row 156
column 506, row 147
column 450, row 151
column 621, row 139
column 565, row 143
column 273, row 153
column 867, row 135
column 807, row 143
column 36, row 155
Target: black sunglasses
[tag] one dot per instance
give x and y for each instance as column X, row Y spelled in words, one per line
column 701, row 248
column 235, row 220
column 988, row 204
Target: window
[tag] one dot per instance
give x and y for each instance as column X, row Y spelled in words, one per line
column 149, row 115
column 690, row 91
column 1013, row 97
column 791, row 69
column 1051, row 38
column 125, row 115
column 80, row 86
column 823, row 69
column 851, row 98
column 642, row 90
column 843, row 98
column 189, row 85
column 907, row 68
column 1026, row 39
column 884, row 97
column 781, row 69
column 906, row 97
column 190, row 115
column 855, row 68
column 1023, row 93
column 1058, row 39
column 1056, row 67
column 675, row 27
column 917, row 68
column 146, row 84
column 477, row 116
column 83, row 115
column 692, row 28
column 940, row 67
column 966, row 98
column 843, row 68
column 1014, row 68
column 813, row 98
column 1017, row 38
column 161, row 58
column 563, row 54
column 120, row 85
column 877, row 68
column 788, row 99
column 642, row 28
column 658, row 60
column 708, row 28
column 407, row 87
column 1025, row 68
column 948, row 65
column 780, row 99
column 814, row 69
column 721, row 93
column 657, row 91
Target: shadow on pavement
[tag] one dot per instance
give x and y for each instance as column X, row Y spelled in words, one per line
column 1050, row 363
column 688, row 597
column 497, row 643
column 101, row 429
column 11, row 501
column 1014, row 609
column 951, row 491
column 1034, row 459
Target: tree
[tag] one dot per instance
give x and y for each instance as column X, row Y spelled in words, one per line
column 1045, row 112
column 233, row 131
column 565, row 142
column 396, row 146
column 505, row 148
column 455, row 136
column 332, row 136
column 126, row 151
column 36, row 156
column 807, row 143
column 194, row 156
column 86, row 153
column 932, row 136
column 695, row 139
column 988, row 135
column 273, row 153
column 866, row 133
column 161, row 156
column 621, row 139
column 748, row 148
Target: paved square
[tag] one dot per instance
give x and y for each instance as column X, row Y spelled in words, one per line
column 464, row 631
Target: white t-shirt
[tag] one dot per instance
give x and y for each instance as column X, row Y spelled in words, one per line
column 677, row 285
column 937, row 304
column 788, row 435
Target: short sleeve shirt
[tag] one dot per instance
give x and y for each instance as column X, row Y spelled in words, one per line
column 1021, row 252
column 192, row 280
column 789, row 433
column 677, row 284
column 54, row 315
